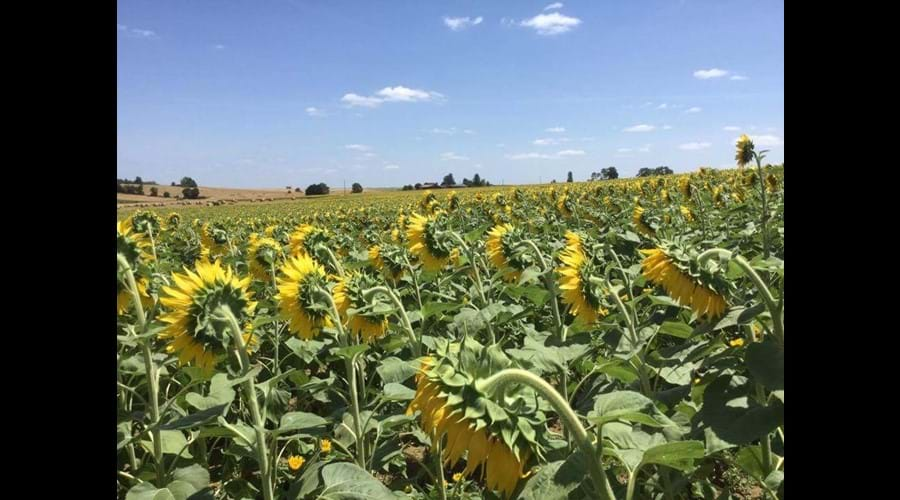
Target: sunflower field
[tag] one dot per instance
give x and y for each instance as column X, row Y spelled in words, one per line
column 605, row 340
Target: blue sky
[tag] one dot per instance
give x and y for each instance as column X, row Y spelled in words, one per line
column 270, row 93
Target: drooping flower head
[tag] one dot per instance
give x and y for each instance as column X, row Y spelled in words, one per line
column 743, row 151
column 678, row 273
column 299, row 296
column 423, row 242
column 193, row 330
column 582, row 297
column 502, row 252
column 213, row 240
column 305, row 239
column 172, row 220
column 687, row 213
column 147, row 222
column 262, row 254
column 486, row 430
column 639, row 219
column 388, row 259
column 364, row 318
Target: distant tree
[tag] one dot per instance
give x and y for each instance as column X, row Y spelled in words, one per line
column 569, row 178
column 173, row 183
column 466, row 182
column 418, row 185
column 166, row 194
column 190, row 193
column 320, row 188
column 297, row 190
column 645, row 172
column 408, row 187
column 154, row 191
column 138, row 180
column 188, row 182
column 609, row 173
column 120, row 188
column 476, row 181
column 553, row 181
column 448, row 180
column 357, row 188
column 663, row 171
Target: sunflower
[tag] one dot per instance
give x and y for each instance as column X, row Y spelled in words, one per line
column 213, row 241
column 662, row 270
column 384, row 259
column 452, row 201
column 744, row 151
column 134, row 246
column 422, row 235
column 637, row 217
column 295, row 462
column 577, row 291
column 193, row 332
column 684, row 187
column 687, row 214
column 305, row 238
column 298, row 297
column 123, row 295
column 262, row 254
column 491, row 441
column 500, row 248
column 173, row 219
column 564, row 205
column 348, row 295
column 771, row 183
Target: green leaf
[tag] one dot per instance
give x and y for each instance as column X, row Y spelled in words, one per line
column 220, row 393
column 196, row 419
column 663, row 300
column 559, row 480
column 625, row 405
column 308, row 423
column 732, row 415
column 774, row 481
column 350, row 351
column 678, row 455
column 433, row 308
column 396, row 370
column 347, row 481
column 749, row 459
column 676, row 329
column 475, row 234
column 765, row 360
column 146, row 491
column 536, row 294
column 194, row 474
column 174, row 442
column 398, row 392
column 739, row 316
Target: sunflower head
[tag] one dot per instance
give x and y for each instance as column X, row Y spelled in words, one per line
column 213, row 240
column 502, row 251
column 640, row 221
column 687, row 213
column 422, row 233
column 194, row 331
column 364, row 318
column 146, row 221
column 771, row 183
column 299, row 296
column 262, row 254
column 428, row 203
column 123, row 295
column 305, row 239
column 565, row 205
column 133, row 245
column 388, row 259
column 452, row 201
column 582, row 297
column 675, row 268
column 743, row 150
column 684, row 187
column 485, row 428
column 295, row 462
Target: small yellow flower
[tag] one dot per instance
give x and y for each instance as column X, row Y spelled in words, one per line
column 408, row 488
column 295, row 462
column 457, row 477
column 736, row 342
column 696, row 381
column 325, row 445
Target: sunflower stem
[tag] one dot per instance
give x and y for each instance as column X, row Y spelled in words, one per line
column 344, row 339
column 276, row 329
column 252, row 401
column 334, row 260
column 415, row 343
column 150, row 367
column 442, row 491
column 466, row 248
column 497, row 382
column 765, row 214
column 550, row 285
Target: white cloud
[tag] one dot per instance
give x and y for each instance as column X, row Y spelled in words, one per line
column 544, row 142
column 551, row 24
column 706, row 74
column 444, row 131
column 731, row 128
column 391, row 167
column 645, row 149
column 358, row 147
column 461, row 23
column 135, row 32
column 453, row 156
column 663, row 106
column 313, row 111
column 766, row 140
column 555, row 130
column 640, row 128
column 695, row 109
column 646, row 104
column 553, row 6
column 370, row 155
column 218, row 46
column 390, row 94
column 667, row 127
column 739, row 77
column 362, row 101
column 694, row 146
column 623, row 150
column 544, row 156
column 469, row 131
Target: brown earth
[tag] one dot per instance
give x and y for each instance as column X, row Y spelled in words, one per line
column 219, row 196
